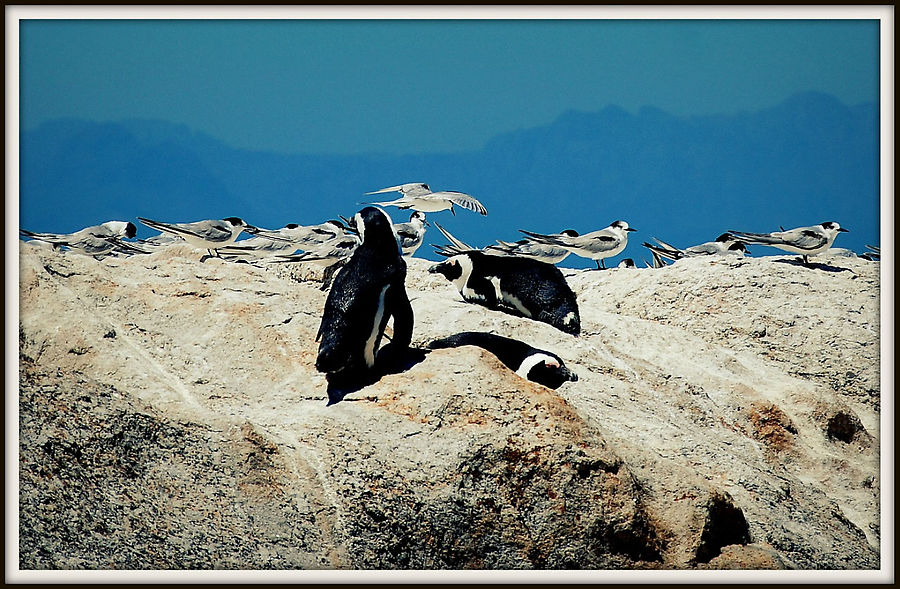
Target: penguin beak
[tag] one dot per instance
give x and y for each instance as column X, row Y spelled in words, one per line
column 434, row 269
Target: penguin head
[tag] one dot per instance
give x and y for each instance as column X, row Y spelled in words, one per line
column 451, row 269
column 549, row 370
column 376, row 228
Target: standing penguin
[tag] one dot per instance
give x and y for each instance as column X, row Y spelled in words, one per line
column 519, row 286
column 366, row 293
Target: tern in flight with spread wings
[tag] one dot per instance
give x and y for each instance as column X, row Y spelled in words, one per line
column 419, row 197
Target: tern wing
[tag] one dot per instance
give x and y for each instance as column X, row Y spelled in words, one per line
column 466, row 201
column 49, row 237
column 665, row 245
column 402, row 202
column 122, row 246
column 209, row 230
column 457, row 244
column 406, row 231
column 672, row 254
column 542, row 238
column 807, row 239
column 408, row 189
column 704, row 249
column 658, row 262
column 595, row 242
column 755, row 237
column 802, row 238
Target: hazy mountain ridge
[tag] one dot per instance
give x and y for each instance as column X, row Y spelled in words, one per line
column 684, row 179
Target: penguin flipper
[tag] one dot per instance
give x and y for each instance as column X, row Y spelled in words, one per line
column 402, row 312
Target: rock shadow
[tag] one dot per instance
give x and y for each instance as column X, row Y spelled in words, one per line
column 536, row 365
column 388, row 361
column 812, row 265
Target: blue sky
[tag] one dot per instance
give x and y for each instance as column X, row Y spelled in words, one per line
column 414, row 86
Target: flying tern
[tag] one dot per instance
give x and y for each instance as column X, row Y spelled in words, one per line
column 419, row 197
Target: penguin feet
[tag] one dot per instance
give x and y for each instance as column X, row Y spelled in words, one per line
column 389, row 360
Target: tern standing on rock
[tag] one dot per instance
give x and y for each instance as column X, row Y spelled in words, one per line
column 412, row 233
column 597, row 245
column 806, row 241
column 725, row 244
column 550, row 254
column 210, row 234
column 97, row 240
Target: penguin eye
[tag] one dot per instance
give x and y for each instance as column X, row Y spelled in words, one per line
column 552, row 364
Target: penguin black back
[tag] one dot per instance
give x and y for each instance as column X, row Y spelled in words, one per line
column 367, row 292
column 531, row 363
column 516, row 285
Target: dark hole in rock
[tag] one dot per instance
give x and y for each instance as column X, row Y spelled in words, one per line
column 843, row 426
column 725, row 525
column 636, row 539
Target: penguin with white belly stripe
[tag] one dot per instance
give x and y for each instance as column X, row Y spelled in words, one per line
column 530, row 363
column 515, row 285
column 367, row 292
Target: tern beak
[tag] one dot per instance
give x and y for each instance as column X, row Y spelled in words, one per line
column 631, row 229
column 843, row 230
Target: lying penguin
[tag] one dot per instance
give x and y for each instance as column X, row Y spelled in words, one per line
column 536, row 365
column 515, row 285
column 365, row 295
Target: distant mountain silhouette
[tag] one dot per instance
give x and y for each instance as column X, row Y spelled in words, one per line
column 682, row 179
